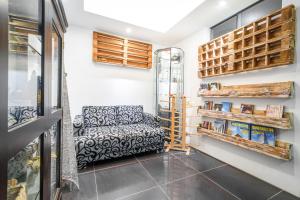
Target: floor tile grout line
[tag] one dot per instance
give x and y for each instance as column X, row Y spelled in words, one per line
column 123, row 197
column 180, row 179
column 159, row 186
column 121, row 165
column 96, row 183
column 223, row 165
column 208, row 170
column 274, row 195
column 220, row 186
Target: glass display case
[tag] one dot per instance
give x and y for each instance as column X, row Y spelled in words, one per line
column 30, row 100
column 169, row 79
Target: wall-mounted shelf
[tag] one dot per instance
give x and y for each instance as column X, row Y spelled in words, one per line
column 257, row 118
column 265, row 43
column 266, row 90
column 281, row 150
column 121, row 51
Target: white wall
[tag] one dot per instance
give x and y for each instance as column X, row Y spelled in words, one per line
column 93, row 83
column 283, row 174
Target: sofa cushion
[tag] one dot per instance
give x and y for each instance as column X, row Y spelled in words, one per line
column 95, row 116
column 129, row 114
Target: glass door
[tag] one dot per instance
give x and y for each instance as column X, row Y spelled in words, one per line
column 30, row 106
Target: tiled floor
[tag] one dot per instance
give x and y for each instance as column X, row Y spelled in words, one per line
column 171, row 176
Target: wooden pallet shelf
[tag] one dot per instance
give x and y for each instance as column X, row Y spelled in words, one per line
column 266, row 43
column 265, row 90
column 257, row 118
column 121, row 51
column 281, row 150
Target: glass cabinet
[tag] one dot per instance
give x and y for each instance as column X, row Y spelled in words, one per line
column 169, row 79
column 30, row 102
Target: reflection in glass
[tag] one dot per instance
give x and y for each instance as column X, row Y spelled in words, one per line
column 24, row 173
column 55, row 69
column 54, row 133
column 25, row 50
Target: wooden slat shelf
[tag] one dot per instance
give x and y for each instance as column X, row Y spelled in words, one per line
column 281, row 150
column 121, row 51
column 265, row 90
column 266, row 43
column 257, row 118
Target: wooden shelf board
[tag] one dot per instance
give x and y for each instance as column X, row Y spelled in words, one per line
column 121, row 51
column 265, row 90
column 250, row 69
column 282, row 123
column 281, row 151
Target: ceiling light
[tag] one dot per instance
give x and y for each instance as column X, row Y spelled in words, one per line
column 128, row 30
column 156, row 15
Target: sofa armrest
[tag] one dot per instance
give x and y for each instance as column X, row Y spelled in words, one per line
column 150, row 120
column 78, row 126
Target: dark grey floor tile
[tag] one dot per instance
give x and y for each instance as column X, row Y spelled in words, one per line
column 167, row 168
column 150, row 155
column 114, row 162
column 192, row 151
column 200, row 161
column 196, row 188
column 152, row 194
column 122, row 181
column 284, row 196
column 241, row 184
column 89, row 168
column 87, row 190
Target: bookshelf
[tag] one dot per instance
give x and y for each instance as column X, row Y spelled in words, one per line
column 257, row 118
column 266, row 43
column 264, row 90
column 282, row 150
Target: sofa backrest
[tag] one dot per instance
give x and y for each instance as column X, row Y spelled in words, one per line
column 130, row 114
column 95, row 116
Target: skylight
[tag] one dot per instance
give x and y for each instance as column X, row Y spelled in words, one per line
column 157, row 15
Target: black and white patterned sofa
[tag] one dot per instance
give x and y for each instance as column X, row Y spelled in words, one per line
column 105, row 132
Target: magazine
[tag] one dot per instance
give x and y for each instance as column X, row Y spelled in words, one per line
column 204, row 87
column 206, row 125
column 220, row 126
column 214, row 86
column 239, row 129
column 208, row 105
column 218, row 107
column 275, row 111
column 247, row 109
column 262, row 134
column 226, row 106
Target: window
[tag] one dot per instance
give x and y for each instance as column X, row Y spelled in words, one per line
column 245, row 17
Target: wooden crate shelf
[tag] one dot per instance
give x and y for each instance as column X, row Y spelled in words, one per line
column 257, row 118
column 121, row 51
column 265, row 90
column 266, row 43
column 281, row 150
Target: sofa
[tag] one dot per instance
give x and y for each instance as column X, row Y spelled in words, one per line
column 106, row 132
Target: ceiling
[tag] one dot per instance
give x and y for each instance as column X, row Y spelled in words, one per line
column 207, row 14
